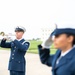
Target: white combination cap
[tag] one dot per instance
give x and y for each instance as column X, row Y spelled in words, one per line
column 20, row 29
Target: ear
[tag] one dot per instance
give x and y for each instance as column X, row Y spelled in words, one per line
column 70, row 39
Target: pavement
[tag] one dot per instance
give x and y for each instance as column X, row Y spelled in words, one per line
column 33, row 64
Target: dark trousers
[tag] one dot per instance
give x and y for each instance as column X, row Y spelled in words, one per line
column 17, row 73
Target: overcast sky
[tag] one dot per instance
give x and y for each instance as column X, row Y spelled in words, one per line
column 35, row 14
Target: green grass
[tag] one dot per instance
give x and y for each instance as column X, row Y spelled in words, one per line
column 34, row 44
column 33, row 47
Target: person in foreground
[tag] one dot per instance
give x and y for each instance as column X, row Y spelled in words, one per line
column 19, row 46
column 63, row 61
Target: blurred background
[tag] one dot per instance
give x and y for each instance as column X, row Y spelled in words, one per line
column 38, row 17
column 35, row 15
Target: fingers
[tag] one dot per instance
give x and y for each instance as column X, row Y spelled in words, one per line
column 47, row 43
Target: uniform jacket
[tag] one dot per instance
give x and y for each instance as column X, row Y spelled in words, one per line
column 66, row 65
column 18, row 49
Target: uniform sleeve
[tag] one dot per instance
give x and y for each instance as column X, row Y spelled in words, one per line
column 5, row 44
column 73, row 66
column 45, row 56
column 20, row 46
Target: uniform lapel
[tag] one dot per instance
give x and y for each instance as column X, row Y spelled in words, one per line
column 66, row 58
column 22, row 40
column 55, row 58
column 61, row 62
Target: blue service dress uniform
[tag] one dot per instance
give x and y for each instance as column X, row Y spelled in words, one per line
column 66, row 65
column 17, row 61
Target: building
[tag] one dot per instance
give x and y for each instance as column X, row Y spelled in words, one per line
column 46, row 31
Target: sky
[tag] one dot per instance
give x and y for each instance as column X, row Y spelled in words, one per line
column 35, row 14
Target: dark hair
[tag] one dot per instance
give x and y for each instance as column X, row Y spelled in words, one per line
column 73, row 43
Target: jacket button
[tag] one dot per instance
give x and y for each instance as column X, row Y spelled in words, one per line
column 15, row 46
column 12, row 43
column 19, row 61
column 12, row 54
column 14, row 50
column 12, row 58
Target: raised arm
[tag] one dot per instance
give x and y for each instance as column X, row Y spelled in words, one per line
column 21, row 46
column 45, row 56
column 44, row 51
column 5, row 44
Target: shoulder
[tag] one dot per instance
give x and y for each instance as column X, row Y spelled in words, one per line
column 25, row 42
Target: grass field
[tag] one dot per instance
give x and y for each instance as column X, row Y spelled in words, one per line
column 33, row 47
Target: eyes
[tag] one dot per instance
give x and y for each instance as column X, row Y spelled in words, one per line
column 56, row 36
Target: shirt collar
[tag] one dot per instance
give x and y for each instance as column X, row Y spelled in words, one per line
column 19, row 39
column 63, row 54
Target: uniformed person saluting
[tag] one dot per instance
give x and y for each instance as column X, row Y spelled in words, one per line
column 63, row 62
column 18, row 49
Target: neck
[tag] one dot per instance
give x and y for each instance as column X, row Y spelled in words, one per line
column 19, row 38
column 66, row 48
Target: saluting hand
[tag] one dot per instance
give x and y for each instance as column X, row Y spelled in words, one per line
column 48, row 42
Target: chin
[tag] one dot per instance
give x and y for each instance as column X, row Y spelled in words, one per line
column 56, row 47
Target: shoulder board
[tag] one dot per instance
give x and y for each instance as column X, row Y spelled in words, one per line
column 25, row 42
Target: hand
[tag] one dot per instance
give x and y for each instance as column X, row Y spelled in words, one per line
column 5, row 37
column 47, row 43
column 11, row 38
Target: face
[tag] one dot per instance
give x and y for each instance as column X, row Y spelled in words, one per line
column 19, row 35
column 62, row 41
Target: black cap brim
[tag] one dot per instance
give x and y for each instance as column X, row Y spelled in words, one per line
column 64, row 31
column 19, row 30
